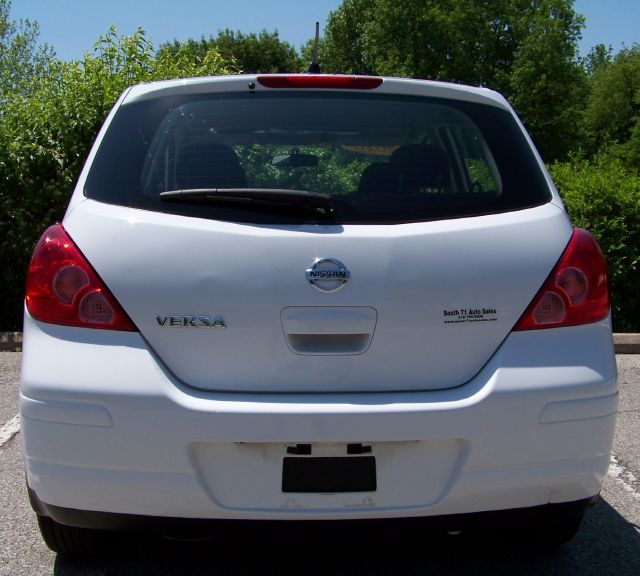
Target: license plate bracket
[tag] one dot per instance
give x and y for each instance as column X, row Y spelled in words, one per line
column 329, row 474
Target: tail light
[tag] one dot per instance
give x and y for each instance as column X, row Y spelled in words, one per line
column 576, row 290
column 63, row 288
column 320, row 81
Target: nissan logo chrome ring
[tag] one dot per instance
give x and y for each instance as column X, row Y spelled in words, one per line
column 327, row 275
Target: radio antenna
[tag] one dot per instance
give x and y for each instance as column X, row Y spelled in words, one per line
column 314, row 67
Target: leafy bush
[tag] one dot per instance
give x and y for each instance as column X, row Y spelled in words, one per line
column 603, row 197
column 46, row 133
column 50, row 112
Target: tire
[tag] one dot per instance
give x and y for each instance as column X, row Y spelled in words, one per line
column 558, row 526
column 75, row 542
column 563, row 527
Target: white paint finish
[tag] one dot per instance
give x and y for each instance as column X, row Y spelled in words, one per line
column 584, row 409
column 84, row 414
column 162, row 265
column 240, row 83
column 145, row 464
column 328, row 320
column 120, row 368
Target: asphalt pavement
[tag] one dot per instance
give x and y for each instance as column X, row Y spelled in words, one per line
column 607, row 543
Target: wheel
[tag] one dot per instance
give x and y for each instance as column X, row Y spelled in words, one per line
column 73, row 541
column 563, row 526
column 558, row 526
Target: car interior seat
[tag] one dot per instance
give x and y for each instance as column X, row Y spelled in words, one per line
column 421, row 167
column 377, row 180
column 210, row 165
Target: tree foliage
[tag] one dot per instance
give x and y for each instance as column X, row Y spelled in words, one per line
column 526, row 50
column 46, row 131
column 21, row 57
column 613, row 110
column 254, row 53
column 582, row 112
column 598, row 58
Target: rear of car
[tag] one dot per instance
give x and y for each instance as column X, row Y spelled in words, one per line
column 314, row 298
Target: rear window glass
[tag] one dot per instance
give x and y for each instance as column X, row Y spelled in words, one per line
column 381, row 159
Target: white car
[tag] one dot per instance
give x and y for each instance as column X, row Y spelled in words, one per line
column 314, row 297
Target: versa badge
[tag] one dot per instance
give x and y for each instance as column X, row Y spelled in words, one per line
column 191, row 321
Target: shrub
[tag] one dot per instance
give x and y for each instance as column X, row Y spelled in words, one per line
column 46, row 133
column 604, row 197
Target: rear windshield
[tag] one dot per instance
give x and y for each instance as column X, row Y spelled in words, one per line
column 380, row 158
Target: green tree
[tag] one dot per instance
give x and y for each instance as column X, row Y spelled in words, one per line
column 21, row 56
column 599, row 58
column 344, row 47
column 547, row 86
column 613, row 110
column 253, row 53
column 526, row 50
column 47, row 130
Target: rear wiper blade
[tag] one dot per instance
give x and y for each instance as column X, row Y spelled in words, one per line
column 252, row 198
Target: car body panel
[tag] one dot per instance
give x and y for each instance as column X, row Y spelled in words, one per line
column 423, row 280
column 529, row 429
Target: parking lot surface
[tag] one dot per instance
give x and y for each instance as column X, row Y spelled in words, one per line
column 608, row 542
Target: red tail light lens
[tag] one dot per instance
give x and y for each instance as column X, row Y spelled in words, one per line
column 575, row 292
column 321, row 81
column 62, row 288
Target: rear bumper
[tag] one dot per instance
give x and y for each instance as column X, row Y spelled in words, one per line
column 186, row 528
column 107, row 430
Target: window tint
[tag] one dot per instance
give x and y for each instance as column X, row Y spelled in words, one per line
column 382, row 159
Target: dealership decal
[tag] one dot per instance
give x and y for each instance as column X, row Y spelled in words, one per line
column 469, row 315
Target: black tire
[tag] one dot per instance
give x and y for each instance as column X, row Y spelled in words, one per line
column 75, row 542
column 562, row 529
column 558, row 526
